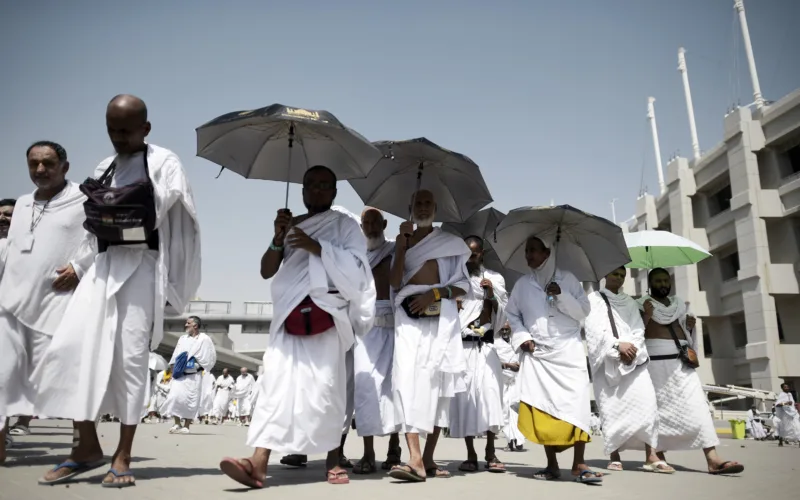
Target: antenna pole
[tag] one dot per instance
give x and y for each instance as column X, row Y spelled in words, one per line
column 651, row 116
column 748, row 49
column 689, row 107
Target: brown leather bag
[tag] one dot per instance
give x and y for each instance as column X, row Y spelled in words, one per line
column 685, row 353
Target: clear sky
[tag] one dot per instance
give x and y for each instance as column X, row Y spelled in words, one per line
column 548, row 97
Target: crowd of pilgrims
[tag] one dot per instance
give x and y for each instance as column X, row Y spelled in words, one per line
column 406, row 336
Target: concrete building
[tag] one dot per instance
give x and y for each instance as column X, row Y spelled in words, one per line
column 741, row 201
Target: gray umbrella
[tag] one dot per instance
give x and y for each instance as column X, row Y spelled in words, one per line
column 279, row 143
column 483, row 225
column 407, row 166
column 585, row 245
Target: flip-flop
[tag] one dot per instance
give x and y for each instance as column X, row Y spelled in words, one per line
column 495, row 465
column 594, row 479
column 546, row 475
column 364, row 467
column 438, row 473
column 294, row 461
column 116, row 475
column 725, row 468
column 660, row 467
column 338, row 477
column 77, row 469
column 406, row 473
column 468, row 466
column 234, row 469
column 617, row 466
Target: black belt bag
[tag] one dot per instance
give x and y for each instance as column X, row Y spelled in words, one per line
column 432, row 311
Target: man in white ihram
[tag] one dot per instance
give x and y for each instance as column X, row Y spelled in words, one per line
column 374, row 354
column 242, row 392
column 43, row 254
column 618, row 360
column 429, row 273
column 324, row 295
column 194, row 354
column 785, row 410
column 510, row 365
column 224, row 386
column 479, row 409
column 684, row 422
column 117, row 312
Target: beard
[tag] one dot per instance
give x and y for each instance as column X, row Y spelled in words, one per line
column 426, row 222
column 661, row 293
column 374, row 242
column 473, row 268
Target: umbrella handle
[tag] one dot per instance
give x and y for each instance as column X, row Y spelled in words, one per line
column 413, row 200
column 289, row 164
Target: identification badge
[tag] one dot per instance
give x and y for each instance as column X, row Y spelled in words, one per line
column 133, row 234
column 26, row 242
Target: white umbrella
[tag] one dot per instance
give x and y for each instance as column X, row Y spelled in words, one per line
column 651, row 249
column 279, row 143
column 157, row 362
column 585, row 245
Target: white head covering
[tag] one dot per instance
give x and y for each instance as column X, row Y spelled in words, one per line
column 545, row 272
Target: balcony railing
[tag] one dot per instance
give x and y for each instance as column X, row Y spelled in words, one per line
column 258, row 308
column 209, row 307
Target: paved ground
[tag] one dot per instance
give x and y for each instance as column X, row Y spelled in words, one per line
column 186, row 467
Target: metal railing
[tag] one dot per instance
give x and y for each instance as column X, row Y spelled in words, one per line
column 258, row 308
column 209, row 307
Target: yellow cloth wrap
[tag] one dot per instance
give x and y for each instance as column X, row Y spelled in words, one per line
column 541, row 428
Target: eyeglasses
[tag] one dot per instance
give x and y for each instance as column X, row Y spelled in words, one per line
column 322, row 186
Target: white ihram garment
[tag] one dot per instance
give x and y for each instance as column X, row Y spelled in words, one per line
column 3, row 255
column 510, row 391
column 244, row 386
column 429, row 364
column 303, row 390
column 98, row 360
column 223, row 396
column 684, row 422
column 160, row 393
column 789, row 428
column 206, row 395
column 624, row 393
column 30, row 309
column 553, row 379
column 373, row 356
column 185, row 392
column 479, row 409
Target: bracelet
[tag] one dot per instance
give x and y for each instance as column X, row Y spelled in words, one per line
column 449, row 293
column 436, row 295
column 272, row 246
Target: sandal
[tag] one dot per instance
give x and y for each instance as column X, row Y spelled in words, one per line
column 117, row 475
column 345, row 462
column 236, row 470
column 468, row 466
column 406, row 473
column 727, row 468
column 660, row 467
column 438, row 473
column 76, row 469
column 392, row 459
column 588, row 476
column 495, row 465
column 364, row 467
column 295, row 460
column 547, row 475
column 20, row 430
column 617, row 466
column 340, row 477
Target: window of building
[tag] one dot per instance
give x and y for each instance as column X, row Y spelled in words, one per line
column 707, row 350
column 780, row 328
column 794, row 159
column 739, row 334
column 720, row 201
column 729, row 266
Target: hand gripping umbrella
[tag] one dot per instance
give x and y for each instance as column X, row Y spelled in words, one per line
column 261, row 143
column 408, row 166
column 588, row 246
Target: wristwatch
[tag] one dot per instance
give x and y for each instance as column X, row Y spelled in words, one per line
column 616, row 346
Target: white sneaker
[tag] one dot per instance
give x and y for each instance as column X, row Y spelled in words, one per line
column 184, row 430
column 175, row 429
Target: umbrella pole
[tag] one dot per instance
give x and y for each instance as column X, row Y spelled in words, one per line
column 413, row 200
column 289, row 165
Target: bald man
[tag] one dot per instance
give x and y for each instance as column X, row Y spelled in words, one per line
column 146, row 259
column 374, row 354
column 428, row 274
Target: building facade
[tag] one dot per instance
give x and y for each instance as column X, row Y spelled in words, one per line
column 741, row 201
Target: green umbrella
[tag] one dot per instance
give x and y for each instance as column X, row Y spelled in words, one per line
column 651, row 249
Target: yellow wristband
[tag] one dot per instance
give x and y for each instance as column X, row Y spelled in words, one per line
column 436, row 294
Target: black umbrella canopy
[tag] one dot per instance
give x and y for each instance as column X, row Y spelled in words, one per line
column 455, row 180
column 281, row 142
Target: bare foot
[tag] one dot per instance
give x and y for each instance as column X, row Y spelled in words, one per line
column 584, row 474
column 246, row 471
column 121, row 464
column 78, row 456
